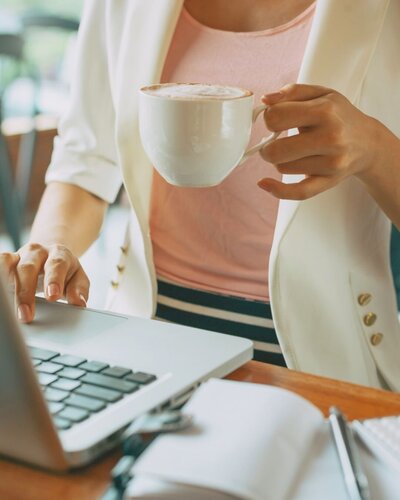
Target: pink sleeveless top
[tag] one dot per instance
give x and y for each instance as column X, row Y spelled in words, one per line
column 219, row 239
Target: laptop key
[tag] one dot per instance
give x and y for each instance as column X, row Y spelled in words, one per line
column 55, row 395
column 73, row 373
column 73, row 414
column 66, row 384
column 46, row 378
column 55, row 407
column 109, row 382
column 68, row 360
column 141, row 378
column 48, row 367
column 89, row 404
column 116, row 371
column 107, row 395
column 36, row 362
column 42, row 354
column 93, row 366
column 61, row 423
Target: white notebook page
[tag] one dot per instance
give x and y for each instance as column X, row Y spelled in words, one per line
column 249, row 441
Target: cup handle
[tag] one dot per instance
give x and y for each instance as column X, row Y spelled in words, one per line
column 264, row 141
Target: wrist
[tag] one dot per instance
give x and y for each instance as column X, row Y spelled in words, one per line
column 57, row 235
column 383, row 147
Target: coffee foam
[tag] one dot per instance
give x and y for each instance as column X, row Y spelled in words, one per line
column 196, row 91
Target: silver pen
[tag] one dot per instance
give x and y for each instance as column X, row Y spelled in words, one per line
column 354, row 477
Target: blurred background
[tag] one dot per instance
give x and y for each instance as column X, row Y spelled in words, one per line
column 37, row 50
column 37, row 42
column 46, row 32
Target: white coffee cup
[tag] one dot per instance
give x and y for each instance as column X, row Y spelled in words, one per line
column 196, row 134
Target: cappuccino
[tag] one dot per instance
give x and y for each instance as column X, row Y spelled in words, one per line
column 195, row 91
column 195, row 134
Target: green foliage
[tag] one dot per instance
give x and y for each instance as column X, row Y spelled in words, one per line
column 44, row 47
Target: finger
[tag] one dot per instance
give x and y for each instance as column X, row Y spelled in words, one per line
column 303, row 190
column 297, row 92
column 287, row 115
column 30, row 265
column 311, row 165
column 59, row 264
column 308, row 143
column 8, row 263
column 77, row 288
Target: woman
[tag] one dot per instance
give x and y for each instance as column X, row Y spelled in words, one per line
column 329, row 279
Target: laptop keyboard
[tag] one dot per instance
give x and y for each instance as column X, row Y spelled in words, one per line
column 76, row 388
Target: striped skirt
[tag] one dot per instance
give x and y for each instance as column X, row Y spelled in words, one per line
column 221, row 313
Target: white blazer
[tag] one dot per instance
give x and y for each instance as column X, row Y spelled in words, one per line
column 330, row 282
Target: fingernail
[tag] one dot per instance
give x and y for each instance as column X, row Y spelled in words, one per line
column 53, row 290
column 82, row 298
column 264, row 186
column 273, row 97
column 24, row 313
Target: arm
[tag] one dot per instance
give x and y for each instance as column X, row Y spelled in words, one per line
column 335, row 140
column 68, row 221
column 382, row 180
column 68, row 216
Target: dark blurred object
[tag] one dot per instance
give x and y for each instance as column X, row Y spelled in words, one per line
column 395, row 260
column 11, row 63
column 35, row 20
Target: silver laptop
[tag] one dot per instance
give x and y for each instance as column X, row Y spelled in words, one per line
column 72, row 381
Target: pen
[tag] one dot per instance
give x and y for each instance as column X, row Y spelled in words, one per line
column 354, row 478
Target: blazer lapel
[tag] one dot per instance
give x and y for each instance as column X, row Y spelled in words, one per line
column 343, row 36
column 341, row 42
column 149, row 30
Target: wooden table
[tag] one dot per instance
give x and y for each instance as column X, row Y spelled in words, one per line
column 18, row 482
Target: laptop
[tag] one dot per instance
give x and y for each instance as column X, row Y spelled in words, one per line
column 73, row 380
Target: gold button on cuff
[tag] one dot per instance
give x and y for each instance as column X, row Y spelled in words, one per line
column 376, row 338
column 364, row 299
column 124, row 249
column 114, row 284
column 121, row 269
column 369, row 319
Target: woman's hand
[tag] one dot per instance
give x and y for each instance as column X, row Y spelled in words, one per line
column 61, row 271
column 335, row 140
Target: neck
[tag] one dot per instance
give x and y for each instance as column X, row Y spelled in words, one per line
column 251, row 15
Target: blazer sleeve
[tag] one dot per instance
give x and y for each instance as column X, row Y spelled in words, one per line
column 85, row 151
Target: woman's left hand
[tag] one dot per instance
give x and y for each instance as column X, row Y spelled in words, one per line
column 335, row 140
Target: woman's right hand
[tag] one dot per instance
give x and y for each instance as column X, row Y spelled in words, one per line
column 62, row 273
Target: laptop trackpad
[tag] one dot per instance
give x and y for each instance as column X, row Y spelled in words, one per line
column 57, row 322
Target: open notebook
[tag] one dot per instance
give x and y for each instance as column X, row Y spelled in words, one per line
column 253, row 442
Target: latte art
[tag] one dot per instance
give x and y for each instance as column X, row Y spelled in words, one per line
column 195, row 91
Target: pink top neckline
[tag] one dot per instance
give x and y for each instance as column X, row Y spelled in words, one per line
column 269, row 31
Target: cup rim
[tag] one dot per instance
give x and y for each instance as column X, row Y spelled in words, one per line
column 146, row 90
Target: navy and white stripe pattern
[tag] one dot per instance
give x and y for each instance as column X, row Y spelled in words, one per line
column 221, row 313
